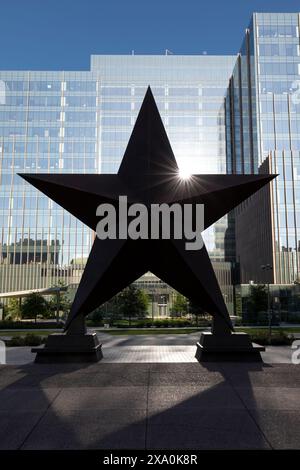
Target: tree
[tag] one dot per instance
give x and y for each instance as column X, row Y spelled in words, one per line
column 60, row 302
column 133, row 302
column 108, row 310
column 180, row 305
column 257, row 302
column 144, row 299
column 196, row 309
column 33, row 305
column 13, row 311
column 258, row 298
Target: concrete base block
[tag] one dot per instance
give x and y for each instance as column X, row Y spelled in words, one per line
column 66, row 348
column 234, row 347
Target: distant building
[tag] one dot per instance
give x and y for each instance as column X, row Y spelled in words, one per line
column 80, row 122
column 223, row 114
column 263, row 134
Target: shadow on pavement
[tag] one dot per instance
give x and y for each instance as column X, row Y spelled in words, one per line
column 131, row 406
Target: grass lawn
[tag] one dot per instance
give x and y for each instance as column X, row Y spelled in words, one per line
column 120, row 331
column 147, row 331
column 153, row 331
column 178, row 331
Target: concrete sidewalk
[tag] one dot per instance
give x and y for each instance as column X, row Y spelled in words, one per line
column 150, row 405
column 158, row 353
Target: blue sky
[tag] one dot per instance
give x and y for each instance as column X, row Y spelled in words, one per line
column 61, row 34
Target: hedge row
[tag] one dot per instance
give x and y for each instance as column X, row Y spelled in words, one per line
column 147, row 323
column 278, row 338
column 27, row 340
column 28, row 325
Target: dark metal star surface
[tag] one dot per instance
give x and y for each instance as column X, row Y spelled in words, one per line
column 148, row 174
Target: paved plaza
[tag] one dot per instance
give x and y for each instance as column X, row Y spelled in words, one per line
column 171, row 402
column 175, row 348
column 153, row 405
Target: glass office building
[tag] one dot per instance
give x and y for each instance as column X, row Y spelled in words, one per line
column 235, row 114
column 48, row 123
column 263, row 134
column 80, row 122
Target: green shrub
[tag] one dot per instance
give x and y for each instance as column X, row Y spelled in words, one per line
column 90, row 322
column 146, row 323
column 16, row 341
column 203, row 322
column 156, row 323
column 278, row 338
column 28, row 325
column 33, row 340
column 27, row 340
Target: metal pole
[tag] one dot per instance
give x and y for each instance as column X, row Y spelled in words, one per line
column 269, row 315
column 268, row 267
column 20, row 309
column 57, row 306
column 152, row 309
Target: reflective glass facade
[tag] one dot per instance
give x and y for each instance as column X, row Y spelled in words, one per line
column 48, row 123
column 80, row 122
column 263, row 106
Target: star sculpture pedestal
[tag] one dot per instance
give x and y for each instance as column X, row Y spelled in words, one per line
column 234, row 347
column 147, row 175
column 223, row 345
column 74, row 346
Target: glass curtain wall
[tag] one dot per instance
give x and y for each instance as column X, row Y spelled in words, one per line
column 80, row 122
column 263, row 102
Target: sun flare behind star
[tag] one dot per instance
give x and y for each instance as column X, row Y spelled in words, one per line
column 184, row 174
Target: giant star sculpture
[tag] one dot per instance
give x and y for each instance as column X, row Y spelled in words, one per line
column 148, row 174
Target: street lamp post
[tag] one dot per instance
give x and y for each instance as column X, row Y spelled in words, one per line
column 152, row 304
column 268, row 267
column 297, row 284
column 152, row 309
column 57, row 306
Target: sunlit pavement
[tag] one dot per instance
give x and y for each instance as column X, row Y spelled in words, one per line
column 151, row 348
